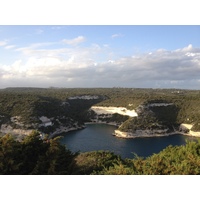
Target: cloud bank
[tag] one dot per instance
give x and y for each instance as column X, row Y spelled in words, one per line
column 81, row 67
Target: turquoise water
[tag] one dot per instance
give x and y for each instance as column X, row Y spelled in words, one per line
column 99, row 137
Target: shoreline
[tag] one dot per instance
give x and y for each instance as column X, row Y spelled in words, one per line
column 64, row 130
column 127, row 135
column 117, row 133
column 130, row 135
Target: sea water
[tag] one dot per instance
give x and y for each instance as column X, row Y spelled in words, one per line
column 100, row 137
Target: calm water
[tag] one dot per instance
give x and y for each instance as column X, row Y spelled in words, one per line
column 99, row 137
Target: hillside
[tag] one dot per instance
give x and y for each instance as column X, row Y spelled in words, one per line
column 56, row 110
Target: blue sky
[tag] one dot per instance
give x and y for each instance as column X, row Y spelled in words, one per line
column 100, row 56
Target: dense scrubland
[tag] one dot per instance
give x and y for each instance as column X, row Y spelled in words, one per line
column 29, row 103
column 33, row 155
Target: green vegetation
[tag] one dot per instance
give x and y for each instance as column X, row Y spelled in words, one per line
column 34, row 156
column 55, row 103
column 153, row 117
column 179, row 160
column 142, row 123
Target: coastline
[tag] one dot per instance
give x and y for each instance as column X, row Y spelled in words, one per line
column 128, row 135
column 122, row 134
column 117, row 133
column 65, row 130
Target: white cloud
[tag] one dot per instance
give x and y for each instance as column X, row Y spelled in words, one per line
column 116, row 35
column 188, row 48
column 33, row 49
column 74, row 41
column 111, row 61
column 3, row 43
column 9, row 47
column 75, row 67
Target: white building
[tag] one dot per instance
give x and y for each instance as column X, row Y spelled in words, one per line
column 45, row 121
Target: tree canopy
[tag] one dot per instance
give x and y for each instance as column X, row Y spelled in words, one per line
column 34, row 156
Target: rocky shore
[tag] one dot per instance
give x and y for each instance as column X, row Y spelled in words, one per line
column 185, row 129
column 63, row 129
column 142, row 133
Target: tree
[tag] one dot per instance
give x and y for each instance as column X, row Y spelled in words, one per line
column 10, row 155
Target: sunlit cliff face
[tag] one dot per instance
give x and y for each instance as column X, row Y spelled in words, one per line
column 111, row 110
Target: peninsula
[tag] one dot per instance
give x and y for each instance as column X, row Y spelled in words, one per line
column 136, row 112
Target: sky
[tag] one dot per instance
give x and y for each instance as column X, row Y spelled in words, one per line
column 108, row 50
column 142, row 56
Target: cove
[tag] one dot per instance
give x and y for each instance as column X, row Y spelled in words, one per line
column 99, row 137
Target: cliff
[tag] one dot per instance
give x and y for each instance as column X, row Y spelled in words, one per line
column 110, row 115
column 187, row 129
column 135, row 111
column 143, row 133
column 52, row 127
column 155, row 118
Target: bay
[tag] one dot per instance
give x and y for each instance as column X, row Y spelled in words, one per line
column 99, row 137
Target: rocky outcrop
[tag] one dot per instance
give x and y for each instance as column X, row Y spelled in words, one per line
column 99, row 110
column 84, row 97
column 65, row 129
column 17, row 133
column 142, row 133
column 9, row 129
column 186, row 129
column 110, row 115
column 155, row 118
column 50, row 126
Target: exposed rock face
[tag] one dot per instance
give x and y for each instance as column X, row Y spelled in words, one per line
column 58, row 125
column 9, row 129
column 16, row 128
column 50, row 126
column 148, row 120
column 110, row 115
column 17, row 133
column 159, row 104
column 154, row 119
column 17, row 120
column 85, row 97
column 65, row 129
column 111, row 110
column 186, row 128
column 141, row 133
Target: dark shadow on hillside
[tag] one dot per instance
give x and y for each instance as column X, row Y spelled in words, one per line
column 167, row 114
